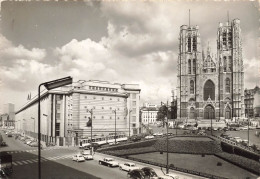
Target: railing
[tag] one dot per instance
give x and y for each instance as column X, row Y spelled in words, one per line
column 236, row 144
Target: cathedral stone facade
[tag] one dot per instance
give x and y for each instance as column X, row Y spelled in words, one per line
column 211, row 86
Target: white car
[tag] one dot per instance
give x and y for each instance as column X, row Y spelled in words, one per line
column 158, row 134
column 78, row 158
column 128, row 166
column 113, row 143
column 87, row 155
column 149, row 137
column 237, row 139
column 173, row 176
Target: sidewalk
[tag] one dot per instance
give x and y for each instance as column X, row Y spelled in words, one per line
column 99, row 156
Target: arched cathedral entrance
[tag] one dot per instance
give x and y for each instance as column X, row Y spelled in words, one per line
column 227, row 113
column 209, row 112
column 209, row 90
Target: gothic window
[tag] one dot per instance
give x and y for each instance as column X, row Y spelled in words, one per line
column 209, row 90
column 189, row 66
column 191, row 87
column 230, row 63
column 227, row 85
column 194, row 43
column 224, row 38
column 194, row 66
column 225, row 64
column 230, row 39
column 189, row 44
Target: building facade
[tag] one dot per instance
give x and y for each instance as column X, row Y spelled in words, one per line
column 149, row 114
column 65, row 111
column 211, row 86
column 252, row 102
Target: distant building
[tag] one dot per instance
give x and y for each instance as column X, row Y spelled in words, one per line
column 149, row 113
column 65, row 111
column 252, row 102
column 7, row 118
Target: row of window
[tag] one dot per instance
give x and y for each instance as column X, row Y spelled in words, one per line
column 194, row 66
column 102, row 98
column 227, row 86
column 194, row 44
column 103, row 88
column 227, row 63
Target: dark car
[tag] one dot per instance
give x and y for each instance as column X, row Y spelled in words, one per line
column 136, row 174
column 3, row 144
column 9, row 135
column 149, row 172
column 135, row 138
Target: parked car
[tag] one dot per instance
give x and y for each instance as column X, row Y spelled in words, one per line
column 113, row 143
column 9, row 135
column 128, row 166
column 158, row 134
column 237, row 139
column 135, row 138
column 3, row 144
column 87, row 155
column 110, row 162
column 136, row 174
column 35, row 144
column 78, row 158
column 149, row 172
column 149, row 137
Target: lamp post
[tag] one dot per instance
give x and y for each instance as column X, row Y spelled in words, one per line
column 129, row 120
column 167, row 139
column 115, row 123
column 91, row 114
column 248, row 132
column 48, row 85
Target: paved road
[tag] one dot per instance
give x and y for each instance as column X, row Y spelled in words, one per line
column 57, row 163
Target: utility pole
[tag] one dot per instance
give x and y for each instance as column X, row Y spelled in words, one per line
column 91, row 114
column 115, row 123
column 129, row 120
column 167, row 154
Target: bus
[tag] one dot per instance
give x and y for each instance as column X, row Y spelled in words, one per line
column 101, row 140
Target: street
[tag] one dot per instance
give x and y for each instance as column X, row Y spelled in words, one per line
column 56, row 163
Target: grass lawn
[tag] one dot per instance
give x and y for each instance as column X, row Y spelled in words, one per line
column 207, row 164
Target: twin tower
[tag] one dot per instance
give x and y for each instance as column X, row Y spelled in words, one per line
column 211, row 87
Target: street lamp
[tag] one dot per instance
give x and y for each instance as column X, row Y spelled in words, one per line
column 129, row 120
column 248, row 132
column 91, row 114
column 48, row 85
column 115, row 123
column 167, row 139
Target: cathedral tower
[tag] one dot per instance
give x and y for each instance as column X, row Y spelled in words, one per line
column 231, row 75
column 189, row 53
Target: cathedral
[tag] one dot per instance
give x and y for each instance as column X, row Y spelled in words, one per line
column 211, row 86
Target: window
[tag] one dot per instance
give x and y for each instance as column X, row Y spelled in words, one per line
column 230, row 64
column 194, row 66
column 134, row 103
column 110, row 99
column 102, row 117
column 94, row 97
column 133, row 125
column 194, row 43
column 209, row 90
column 189, row 44
column 133, row 96
column 102, row 107
column 227, row 85
column 102, row 98
column 86, row 97
column 191, row 87
column 224, row 38
column 189, row 66
column 118, row 99
column 225, row 64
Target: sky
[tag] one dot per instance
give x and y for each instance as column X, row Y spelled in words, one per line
column 120, row 42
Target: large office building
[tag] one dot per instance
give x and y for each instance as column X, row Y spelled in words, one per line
column 67, row 111
column 7, row 118
column 211, row 86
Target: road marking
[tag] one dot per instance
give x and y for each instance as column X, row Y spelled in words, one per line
column 14, row 163
column 29, row 161
column 19, row 163
column 24, row 162
column 35, row 160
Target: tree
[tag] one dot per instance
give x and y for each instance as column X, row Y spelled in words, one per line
column 162, row 113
